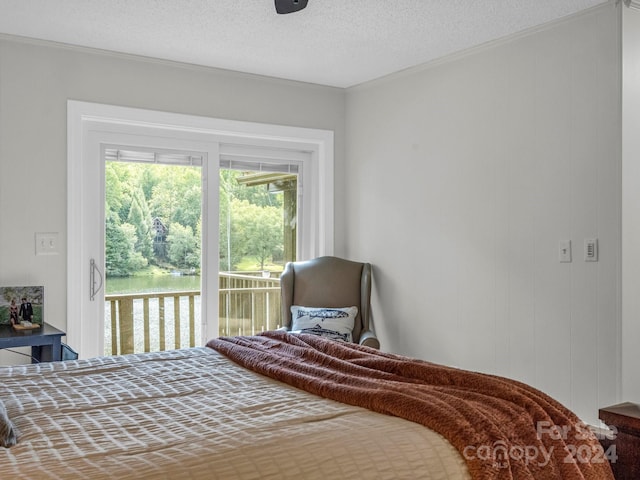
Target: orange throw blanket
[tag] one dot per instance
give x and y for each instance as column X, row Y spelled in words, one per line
column 504, row 429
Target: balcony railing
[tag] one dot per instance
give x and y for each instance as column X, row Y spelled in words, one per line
column 248, row 304
column 144, row 322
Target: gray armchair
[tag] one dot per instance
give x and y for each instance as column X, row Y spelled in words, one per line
column 330, row 282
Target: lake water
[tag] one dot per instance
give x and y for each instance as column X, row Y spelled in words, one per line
column 148, row 284
column 152, row 283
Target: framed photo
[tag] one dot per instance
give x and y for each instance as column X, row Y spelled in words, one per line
column 19, row 304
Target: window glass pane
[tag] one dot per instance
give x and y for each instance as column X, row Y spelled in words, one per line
column 258, row 232
column 152, row 256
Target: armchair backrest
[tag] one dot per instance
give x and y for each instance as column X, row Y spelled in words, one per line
column 327, row 282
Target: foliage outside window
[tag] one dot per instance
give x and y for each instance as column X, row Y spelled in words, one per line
column 153, row 218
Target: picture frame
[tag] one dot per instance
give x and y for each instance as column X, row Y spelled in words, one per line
column 33, row 304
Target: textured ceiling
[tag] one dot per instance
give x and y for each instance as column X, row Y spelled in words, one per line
column 332, row 42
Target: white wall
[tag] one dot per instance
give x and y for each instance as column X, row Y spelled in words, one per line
column 631, row 205
column 37, row 79
column 464, row 175
column 460, row 178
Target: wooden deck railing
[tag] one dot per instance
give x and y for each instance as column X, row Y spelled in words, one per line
column 144, row 322
column 248, row 304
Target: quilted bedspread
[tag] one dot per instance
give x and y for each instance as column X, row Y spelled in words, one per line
column 504, row 429
column 194, row 414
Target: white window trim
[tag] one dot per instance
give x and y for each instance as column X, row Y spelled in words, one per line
column 317, row 231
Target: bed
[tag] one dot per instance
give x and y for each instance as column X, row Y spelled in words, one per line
column 279, row 406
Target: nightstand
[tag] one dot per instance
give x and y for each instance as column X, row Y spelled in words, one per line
column 624, row 419
column 45, row 342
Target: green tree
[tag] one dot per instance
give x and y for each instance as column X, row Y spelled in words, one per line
column 250, row 216
column 257, row 230
column 121, row 179
column 183, row 247
column 229, row 257
column 235, row 234
column 113, row 188
column 188, row 210
column 140, row 218
column 139, row 192
column 255, row 194
column 176, row 198
column 120, row 256
column 147, row 179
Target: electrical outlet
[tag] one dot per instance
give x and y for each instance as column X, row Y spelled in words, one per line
column 590, row 249
column 47, row 244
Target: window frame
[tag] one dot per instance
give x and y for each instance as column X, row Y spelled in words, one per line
column 91, row 124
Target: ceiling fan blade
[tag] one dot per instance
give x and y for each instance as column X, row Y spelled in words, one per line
column 290, row 6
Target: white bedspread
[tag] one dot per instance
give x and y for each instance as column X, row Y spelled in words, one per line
column 194, row 414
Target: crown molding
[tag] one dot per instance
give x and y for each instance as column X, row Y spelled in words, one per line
column 635, row 4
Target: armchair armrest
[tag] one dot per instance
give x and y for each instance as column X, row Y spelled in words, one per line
column 369, row 339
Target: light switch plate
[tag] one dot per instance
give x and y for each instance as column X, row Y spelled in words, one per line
column 47, row 243
column 564, row 251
